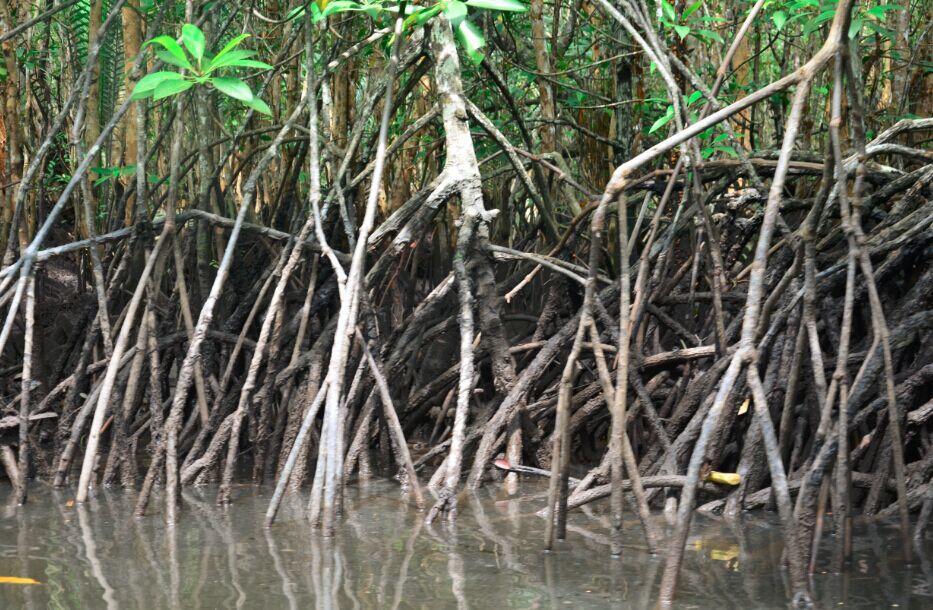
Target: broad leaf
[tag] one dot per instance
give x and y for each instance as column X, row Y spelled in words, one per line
column 258, row 105
column 228, row 59
column 233, row 87
column 340, row 6
column 682, row 31
column 472, row 40
column 234, row 42
column 174, row 51
column 421, row 17
column 879, row 11
column 148, row 83
column 692, row 8
column 455, row 12
column 248, row 63
column 512, row 6
column 668, row 10
column 193, row 38
column 855, row 27
column 779, row 18
column 728, row 150
column 664, row 120
column 710, row 35
column 171, row 87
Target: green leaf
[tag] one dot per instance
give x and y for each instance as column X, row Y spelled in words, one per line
column 422, row 16
column 171, row 87
column 512, row 6
column 779, row 18
column 728, row 150
column 148, row 83
column 710, row 35
column 228, row 59
column 258, row 105
column 692, row 8
column 815, row 23
column 668, row 10
column 174, row 51
column 455, row 12
column 682, row 30
column 855, row 27
column 233, row 87
column 193, row 38
column 340, row 6
column 248, row 63
column 373, row 10
column 879, row 11
column 472, row 40
column 720, row 138
column 694, row 97
column 664, row 120
column 234, row 42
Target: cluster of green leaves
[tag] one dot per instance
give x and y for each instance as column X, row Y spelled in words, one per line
column 105, row 174
column 457, row 12
column 690, row 23
column 200, row 68
column 710, row 142
column 812, row 14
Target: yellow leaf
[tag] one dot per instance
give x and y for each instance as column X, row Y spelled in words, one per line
column 724, row 478
column 18, row 580
column 744, row 407
column 727, row 554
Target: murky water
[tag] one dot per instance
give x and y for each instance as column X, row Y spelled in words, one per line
column 99, row 556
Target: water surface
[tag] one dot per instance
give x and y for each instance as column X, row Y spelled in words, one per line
column 99, row 556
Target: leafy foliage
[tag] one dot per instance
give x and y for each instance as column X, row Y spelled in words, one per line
column 200, row 68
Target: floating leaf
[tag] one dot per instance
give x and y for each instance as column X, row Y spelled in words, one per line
column 18, row 580
column 724, row 478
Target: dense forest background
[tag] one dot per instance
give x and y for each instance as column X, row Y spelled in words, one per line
column 678, row 248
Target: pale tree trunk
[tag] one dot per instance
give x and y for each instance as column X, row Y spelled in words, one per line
column 132, row 40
